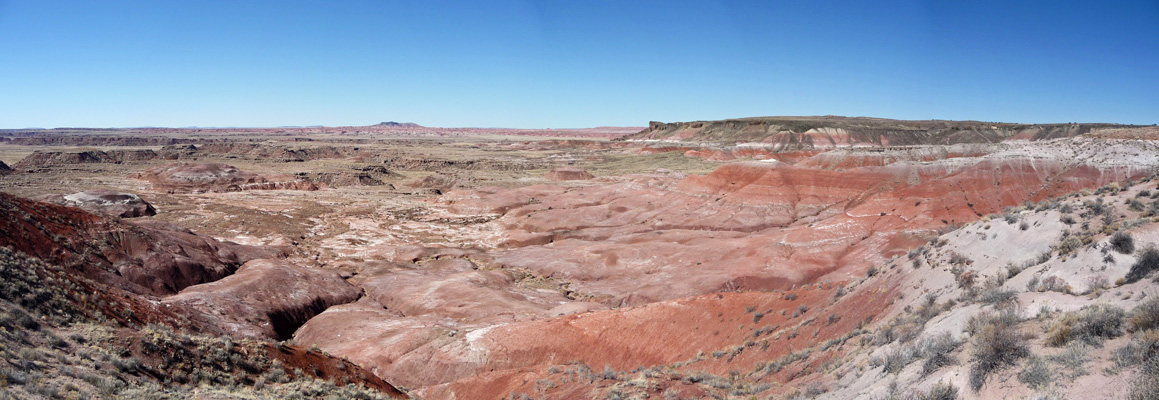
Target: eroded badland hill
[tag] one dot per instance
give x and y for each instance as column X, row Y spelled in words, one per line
column 779, row 257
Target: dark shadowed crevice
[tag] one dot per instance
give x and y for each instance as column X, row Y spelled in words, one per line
column 286, row 321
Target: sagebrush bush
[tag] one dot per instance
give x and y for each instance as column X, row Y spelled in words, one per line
column 1148, row 262
column 1074, row 358
column 896, row 359
column 1069, row 244
column 997, row 344
column 1035, row 374
column 997, row 295
column 1123, row 242
column 936, row 351
column 1135, row 205
column 1145, row 315
column 1091, row 324
column 1144, row 346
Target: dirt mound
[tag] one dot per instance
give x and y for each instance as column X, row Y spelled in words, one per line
column 177, row 152
column 369, row 175
column 202, row 178
column 108, row 202
column 265, row 298
column 40, row 159
column 568, row 174
column 124, row 156
column 444, row 181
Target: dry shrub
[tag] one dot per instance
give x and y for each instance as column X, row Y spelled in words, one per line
column 1051, row 284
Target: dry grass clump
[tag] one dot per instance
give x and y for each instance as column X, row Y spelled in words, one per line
column 1144, row 322
column 1091, row 324
column 1146, row 384
column 940, row 391
column 1145, row 316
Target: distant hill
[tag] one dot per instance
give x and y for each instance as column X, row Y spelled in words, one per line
column 399, row 124
column 830, row 131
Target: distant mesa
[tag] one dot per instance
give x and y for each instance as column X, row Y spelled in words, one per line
column 399, row 124
column 568, row 174
column 108, row 202
column 825, row 132
column 216, row 178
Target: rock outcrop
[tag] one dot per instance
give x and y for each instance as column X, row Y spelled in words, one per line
column 108, row 202
column 203, row 178
column 5, row 169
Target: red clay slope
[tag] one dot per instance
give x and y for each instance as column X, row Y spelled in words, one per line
column 147, row 257
column 756, row 225
column 658, row 244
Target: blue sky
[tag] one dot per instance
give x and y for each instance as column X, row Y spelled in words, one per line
column 566, row 64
